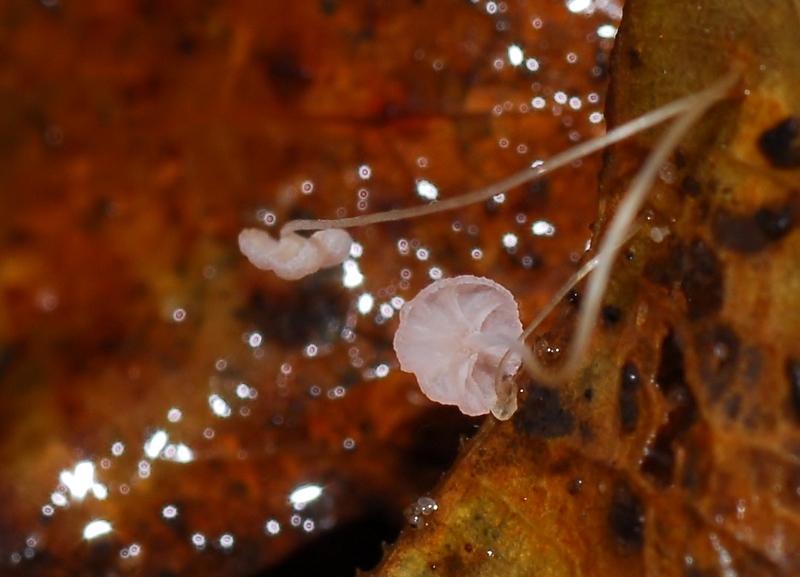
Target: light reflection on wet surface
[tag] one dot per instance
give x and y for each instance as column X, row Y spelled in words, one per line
column 237, row 403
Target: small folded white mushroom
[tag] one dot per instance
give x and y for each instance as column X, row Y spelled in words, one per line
column 292, row 256
column 453, row 335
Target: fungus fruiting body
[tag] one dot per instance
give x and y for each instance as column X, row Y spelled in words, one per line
column 452, row 336
column 292, row 256
column 459, row 336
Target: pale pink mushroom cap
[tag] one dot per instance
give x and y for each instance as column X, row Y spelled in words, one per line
column 293, row 256
column 453, row 335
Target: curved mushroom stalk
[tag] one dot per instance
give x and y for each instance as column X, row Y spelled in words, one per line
column 452, row 336
column 292, row 256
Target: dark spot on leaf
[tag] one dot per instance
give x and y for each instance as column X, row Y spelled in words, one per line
column 286, row 74
column 718, row 353
column 451, row 564
column 588, row 394
column 793, row 375
column 679, row 159
column 186, row 45
column 8, row 354
column 702, row 280
column 148, row 87
column 99, row 212
column 148, row 9
column 574, row 298
column 329, row 7
column 659, row 461
column 611, row 315
column 697, row 465
column 575, row 486
column 543, row 414
column 101, row 555
column 780, row 144
column 538, row 194
column 749, row 234
column 309, row 311
column 600, row 70
column 491, row 206
column 626, row 517
column 775, row 223
column 15, row 236
column 635, row 58
column 732, row 406
column 738, row 233
column 560, row 465
column 753, row 359
column 691, row 186
column 628, row 408
column 237, row 489
column 666, row 269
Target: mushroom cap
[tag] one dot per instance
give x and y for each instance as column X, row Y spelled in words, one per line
column 293, row 256
column 453, row 335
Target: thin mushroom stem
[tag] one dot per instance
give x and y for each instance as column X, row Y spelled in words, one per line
column 619, row 232
column 626, row 213
column 530, row 363
column 506, row 404
column 569, row 285
column 530, row 174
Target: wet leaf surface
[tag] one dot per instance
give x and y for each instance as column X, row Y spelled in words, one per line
column 213, row 419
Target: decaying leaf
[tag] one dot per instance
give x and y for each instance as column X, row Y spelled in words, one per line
column 140, row 353
column 674, row 449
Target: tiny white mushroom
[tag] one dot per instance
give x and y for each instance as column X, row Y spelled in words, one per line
column 292, row 256
column 452, row 336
